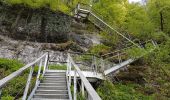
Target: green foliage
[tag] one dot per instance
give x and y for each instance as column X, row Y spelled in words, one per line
column 11, row 65
column 112, row 11
column 15, row 87
column 135, row 52
column 58, row 67
column 99, row 49
column 109, row 91
column 52, row 4
column 155, row 9
column 7, row 98
column 138, row 23
column 109, row 39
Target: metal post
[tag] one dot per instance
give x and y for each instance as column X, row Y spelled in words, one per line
column 89, row 97
column 82, row 88
column 70, row 73
column 28, row 83
column 39, row 71
column 75, row 85
column 0, row 93
column 102, row 65
column 45, row 64
column 67, row 65
column 95, row 64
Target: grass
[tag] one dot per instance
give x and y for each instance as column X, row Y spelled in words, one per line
column 15, row 88
column 118, row 91
column 58, row 67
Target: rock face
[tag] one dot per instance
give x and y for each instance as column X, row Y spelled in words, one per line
column 40, row 25
column 26, row 51
column 26, row 33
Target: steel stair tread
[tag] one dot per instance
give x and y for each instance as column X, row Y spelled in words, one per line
column 47, row 99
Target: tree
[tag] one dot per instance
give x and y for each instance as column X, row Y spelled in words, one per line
column 159, row 14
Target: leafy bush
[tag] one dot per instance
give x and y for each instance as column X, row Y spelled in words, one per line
column 109, row 91
column 99, row 49
column 7, row 98
column 15, row 88
column 11, row 65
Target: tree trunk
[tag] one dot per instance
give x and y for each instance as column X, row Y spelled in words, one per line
column 161, row 21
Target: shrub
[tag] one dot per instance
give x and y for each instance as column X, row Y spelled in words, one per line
column 11, row 65
column 100, row 49
column 109, row 91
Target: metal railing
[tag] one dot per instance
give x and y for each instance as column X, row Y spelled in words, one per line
column 98, row 21
column 92, row 94
column 130, row 59
column 42, row 61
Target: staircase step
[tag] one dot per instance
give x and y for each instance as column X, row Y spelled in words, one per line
column 83, row 11
column 54, row 76
column 47, row 99
column 53, row 84
column 52, row 88
column 82, row 15
column 51, row 91
column 55, row 73
column 54, row 81
column 51, row 96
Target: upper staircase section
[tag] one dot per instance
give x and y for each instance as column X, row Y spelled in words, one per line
column 84, row 11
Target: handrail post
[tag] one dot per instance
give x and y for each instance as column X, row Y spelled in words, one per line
column 78, row 6
column 45, row 64
column 67, row 66
column 95, row 65
column 28, row 83
column 70, row 73
column 82, row 88
column 69, row 69
column 75, row 85
column 102, row 65
column 0, row 93
column 39, row 71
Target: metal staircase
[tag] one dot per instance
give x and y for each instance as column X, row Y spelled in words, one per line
column 56, row 84
column 53, row 84
column 85, row 11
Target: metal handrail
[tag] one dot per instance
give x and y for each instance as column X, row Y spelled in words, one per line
column 85, row 83
column 31, row 65
column 125, row 48
column 107, row 25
